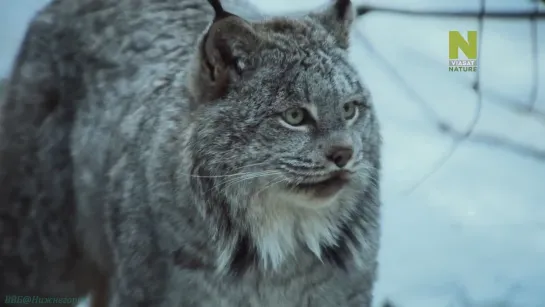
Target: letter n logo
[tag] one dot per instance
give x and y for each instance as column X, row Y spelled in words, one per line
column 457, row 42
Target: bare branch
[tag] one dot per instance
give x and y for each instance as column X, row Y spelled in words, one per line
column 516, row 106
column 535, row 58
column 367, row 8
column 496, row 141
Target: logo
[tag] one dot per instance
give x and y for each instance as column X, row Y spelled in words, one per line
column 457, row 43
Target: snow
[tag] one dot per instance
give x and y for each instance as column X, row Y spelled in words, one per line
column 472, row 233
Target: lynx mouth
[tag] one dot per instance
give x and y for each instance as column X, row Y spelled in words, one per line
column 323, row 188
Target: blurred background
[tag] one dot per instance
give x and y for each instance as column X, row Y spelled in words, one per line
column 464, row 152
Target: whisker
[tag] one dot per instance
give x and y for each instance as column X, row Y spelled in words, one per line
column 253, row 164
column 304, row 166
column 245, row 177
column 219, row 176
column 257, row 175
column 299, row 173
column 270, row 185
column 227, row 175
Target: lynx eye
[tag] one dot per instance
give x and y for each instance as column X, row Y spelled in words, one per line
column 349, row 110
column 295, row 116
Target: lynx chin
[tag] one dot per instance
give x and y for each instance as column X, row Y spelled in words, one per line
column 172, row 153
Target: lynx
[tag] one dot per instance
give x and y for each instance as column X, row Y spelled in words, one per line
column 172, row 153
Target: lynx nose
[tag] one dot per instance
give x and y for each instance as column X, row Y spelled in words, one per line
column 340, row 155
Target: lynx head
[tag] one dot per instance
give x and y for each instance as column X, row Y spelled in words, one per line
column 281, row 118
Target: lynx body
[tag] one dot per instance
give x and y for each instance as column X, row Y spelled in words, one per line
column 170, row 153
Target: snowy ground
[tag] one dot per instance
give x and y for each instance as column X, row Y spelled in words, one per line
column 473, row 233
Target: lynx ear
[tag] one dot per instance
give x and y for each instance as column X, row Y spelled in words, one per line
column 338, row 19
column 223, row 54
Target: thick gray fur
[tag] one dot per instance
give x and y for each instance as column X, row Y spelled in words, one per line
column 141, row 157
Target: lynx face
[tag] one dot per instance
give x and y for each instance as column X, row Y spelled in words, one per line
column 290, row 116
column 309, row 128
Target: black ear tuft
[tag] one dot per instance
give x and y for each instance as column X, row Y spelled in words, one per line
column 218, row 10
column 342, row 7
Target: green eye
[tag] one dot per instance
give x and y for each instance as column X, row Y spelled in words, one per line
column 349, row 110
column 294, row 116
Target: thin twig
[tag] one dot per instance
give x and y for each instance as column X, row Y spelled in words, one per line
column 367, row 8
column 515, row 105
column 535, row 62
column 499, row 142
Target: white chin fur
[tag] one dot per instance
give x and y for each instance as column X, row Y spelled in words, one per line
column 283, row 221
